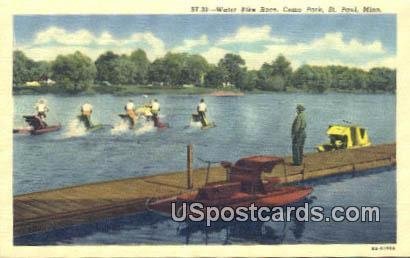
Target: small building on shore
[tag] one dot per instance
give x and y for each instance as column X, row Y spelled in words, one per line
column 47, row 82
column 32, row 84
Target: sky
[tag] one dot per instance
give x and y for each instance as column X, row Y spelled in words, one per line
column 363, row 41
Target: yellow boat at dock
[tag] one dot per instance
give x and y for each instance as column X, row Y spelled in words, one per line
column 345, row 137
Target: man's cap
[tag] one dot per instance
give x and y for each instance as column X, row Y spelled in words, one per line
column 300, row 107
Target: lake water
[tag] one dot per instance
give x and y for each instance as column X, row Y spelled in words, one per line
column 253, row 124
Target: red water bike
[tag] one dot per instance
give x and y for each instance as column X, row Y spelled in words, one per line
column 36, row 126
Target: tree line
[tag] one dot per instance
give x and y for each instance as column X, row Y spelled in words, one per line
column 76, row 72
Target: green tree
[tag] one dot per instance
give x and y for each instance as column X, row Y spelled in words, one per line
column 105, row 65
column 346, row 78
column 312, row 78
column 26, row 69
column 249, row 80
column 264, row 74
column 41, row 70
column 73, row 73
column 340, row 79
column 269, row 81
column 272, row 83
column 22, row 66
column 174, row 64
column 124, row 70
column 302, row 77
column 141, row 63
column 382, row 79
column 214, row 77
column 322, row 79
column 156, row 71
column 275, row 76
column 233, row 68
column 194, row 70
column 281, row 68
column 358, row 78
column 176, row 69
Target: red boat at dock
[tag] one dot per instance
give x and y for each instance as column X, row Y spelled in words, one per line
column 244, row 186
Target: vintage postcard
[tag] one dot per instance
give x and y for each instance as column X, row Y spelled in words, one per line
column 204, row 128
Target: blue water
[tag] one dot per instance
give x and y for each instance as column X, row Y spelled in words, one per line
column 253, row 124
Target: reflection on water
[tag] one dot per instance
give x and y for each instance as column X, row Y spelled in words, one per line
column 129, row 229
column 242, row 232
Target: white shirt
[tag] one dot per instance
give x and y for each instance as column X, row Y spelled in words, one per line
column 155, row 106
column 41, row 107
column 87, row 107
column 130, row 106
column 202, row 107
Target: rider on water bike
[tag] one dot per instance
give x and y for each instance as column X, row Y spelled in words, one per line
column 41, row 109
column 130, row 110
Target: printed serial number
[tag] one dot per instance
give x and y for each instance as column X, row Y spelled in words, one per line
column 383, row 248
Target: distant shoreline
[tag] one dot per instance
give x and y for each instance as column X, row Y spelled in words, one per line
column 224, row 93
column 126, row 90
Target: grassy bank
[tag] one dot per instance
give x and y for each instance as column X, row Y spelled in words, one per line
column 124, row 90
column 118, row 90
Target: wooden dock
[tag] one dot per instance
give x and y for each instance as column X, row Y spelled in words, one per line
column 42, row 211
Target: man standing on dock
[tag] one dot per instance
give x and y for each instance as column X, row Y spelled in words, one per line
column 298, row 135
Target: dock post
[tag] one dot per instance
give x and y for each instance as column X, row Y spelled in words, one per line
column 353, row 169
column 189, row 166
column 285, row 171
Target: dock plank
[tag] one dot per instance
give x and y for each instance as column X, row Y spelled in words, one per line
column 51, row 209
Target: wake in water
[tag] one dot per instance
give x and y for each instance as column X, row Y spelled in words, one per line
column 120, row 128
column 75, row 129
column 193, row 127
column 145, row 127
column 195, row 124
column 141, row 127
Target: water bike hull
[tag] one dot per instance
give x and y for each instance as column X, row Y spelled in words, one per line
column 197, row 118
column 208, row 126
column 162, row 126
column 157, row 124
column 95, row 128
column 48, row 129
column 279, row 196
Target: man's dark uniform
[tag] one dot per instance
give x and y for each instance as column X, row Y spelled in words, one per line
column 298, row 136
